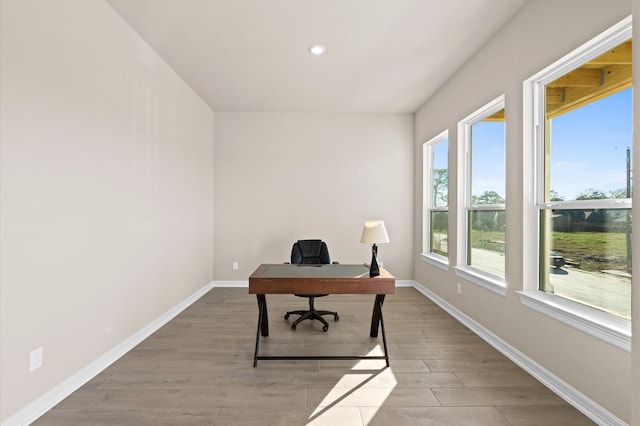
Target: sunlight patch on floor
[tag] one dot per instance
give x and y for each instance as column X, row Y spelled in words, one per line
column 369, row 384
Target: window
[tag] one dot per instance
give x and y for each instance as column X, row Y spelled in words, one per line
column 482, row 182
column 436, row 198
column 582, row 201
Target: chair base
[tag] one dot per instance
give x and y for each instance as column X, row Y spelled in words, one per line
column 311, row 314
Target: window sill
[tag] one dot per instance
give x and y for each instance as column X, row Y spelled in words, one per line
column 436, row 260
column 484, row 280
column 607, row 327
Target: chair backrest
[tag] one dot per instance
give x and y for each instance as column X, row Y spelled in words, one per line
column 310, row 251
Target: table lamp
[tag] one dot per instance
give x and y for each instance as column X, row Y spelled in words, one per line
column 374, row 233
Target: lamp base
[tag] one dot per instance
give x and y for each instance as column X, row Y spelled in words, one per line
column 374, row 270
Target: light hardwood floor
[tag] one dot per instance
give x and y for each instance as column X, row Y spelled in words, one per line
column 197, row 370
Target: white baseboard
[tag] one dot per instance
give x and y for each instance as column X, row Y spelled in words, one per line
column 32, row 411
column 574, row 397
column 239, row 283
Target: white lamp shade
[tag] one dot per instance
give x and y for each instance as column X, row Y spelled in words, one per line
column 374, row 232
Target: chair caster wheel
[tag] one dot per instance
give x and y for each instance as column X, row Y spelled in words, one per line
column 286, row 316
column 336, row 317
column 293, row 326
column 325, row 328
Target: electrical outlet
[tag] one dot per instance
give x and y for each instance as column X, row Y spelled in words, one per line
column 459, row 288
column 35, row 359
column 235, row 266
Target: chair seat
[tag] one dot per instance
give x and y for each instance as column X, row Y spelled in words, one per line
column 311, row 252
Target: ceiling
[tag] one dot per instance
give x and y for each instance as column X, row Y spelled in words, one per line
column 382, row 56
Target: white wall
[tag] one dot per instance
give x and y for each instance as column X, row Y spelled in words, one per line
column 541, row 33
column 106, row 174
column 280, row 177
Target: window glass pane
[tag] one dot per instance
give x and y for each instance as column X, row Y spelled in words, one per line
column 487, row 162
column 586, row 257
column 588, row 150
column 439, row 233
column 487, row 240
column 440, row 174
column 436, row 195
column 585, row 247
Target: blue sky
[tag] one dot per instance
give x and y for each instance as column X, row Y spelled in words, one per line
column 487, row 159
column 440, row 155
column 588, row 149
column 588, row 146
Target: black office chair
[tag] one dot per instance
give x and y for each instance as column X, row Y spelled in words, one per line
column 311, row 252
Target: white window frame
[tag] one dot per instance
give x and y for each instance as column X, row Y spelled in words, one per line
column 427, row 199
column 602, row 325
column 492, row 282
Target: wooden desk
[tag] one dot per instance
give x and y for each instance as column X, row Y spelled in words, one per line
column 319, row 279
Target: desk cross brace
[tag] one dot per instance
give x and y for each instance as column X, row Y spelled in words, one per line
column 263, row 326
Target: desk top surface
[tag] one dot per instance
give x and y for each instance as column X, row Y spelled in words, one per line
column 333, row 278
column 314, row 270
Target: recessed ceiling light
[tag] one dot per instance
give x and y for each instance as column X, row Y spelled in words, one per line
column 317, row 49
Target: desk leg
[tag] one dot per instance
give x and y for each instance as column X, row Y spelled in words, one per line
column 384, row 335
column 376, row 317
column 263, row 325
column 264, row 317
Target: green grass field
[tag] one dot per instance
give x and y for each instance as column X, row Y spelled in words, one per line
column 589, row 251
column 593, row 251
